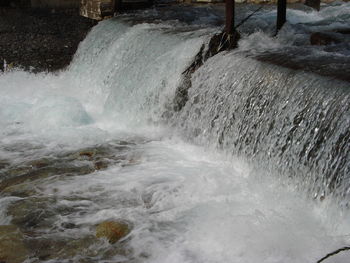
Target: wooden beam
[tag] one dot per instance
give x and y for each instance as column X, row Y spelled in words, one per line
column 230, row 17
column 281, row 14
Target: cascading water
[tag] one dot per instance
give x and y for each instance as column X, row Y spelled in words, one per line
column 292, row 120
column 104, row 141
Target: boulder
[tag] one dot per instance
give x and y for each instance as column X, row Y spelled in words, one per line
column 112, row 230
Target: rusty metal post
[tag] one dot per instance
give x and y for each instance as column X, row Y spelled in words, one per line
column 281, row 14
column 230, row 17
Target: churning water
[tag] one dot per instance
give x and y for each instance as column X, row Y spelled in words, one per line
column 251, row 167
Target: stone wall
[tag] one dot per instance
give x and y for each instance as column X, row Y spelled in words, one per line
column 55, row 3
column 40, row 3
column 96, row 9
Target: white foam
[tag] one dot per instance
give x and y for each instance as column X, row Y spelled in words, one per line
column 186, row 203
column 189, row 205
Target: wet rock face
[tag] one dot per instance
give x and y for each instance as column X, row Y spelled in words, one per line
column 112, row 230
column 218, row 43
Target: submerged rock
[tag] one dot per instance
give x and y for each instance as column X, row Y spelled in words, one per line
column 315, row 4
column 41, row 170
column 12, row 248
column 100, row 165
column 20, row 190
column 45, row 248
column 4, row 164
column 112, row 230
column 345, row 31
column 327, row 38
column 31, row 213
column 88, row 154
column 40, row 163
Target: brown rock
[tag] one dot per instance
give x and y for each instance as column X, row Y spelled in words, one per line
column 39, row 163
column 88, row 154
column 32, row 213
column 21, row 190
column 112, row 230
column 12, row 248
column 62, row 248
column 99, row 165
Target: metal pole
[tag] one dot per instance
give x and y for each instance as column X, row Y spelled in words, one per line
column 230, row 17
column 281, row 14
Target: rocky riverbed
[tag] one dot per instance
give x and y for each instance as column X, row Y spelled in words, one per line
column 40, row 40
column 36, row 231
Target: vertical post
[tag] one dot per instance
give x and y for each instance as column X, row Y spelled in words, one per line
column 281, row 14
column 230, row 17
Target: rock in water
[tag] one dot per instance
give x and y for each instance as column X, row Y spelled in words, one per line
column 99, row 165
column 326, row 38
column 12, row 249
column 112, row 230
column 315, row 4
column 88, row 154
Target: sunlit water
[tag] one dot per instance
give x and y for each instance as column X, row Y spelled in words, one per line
column 90, row 144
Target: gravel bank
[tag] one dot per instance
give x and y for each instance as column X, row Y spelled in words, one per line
column 40, row 40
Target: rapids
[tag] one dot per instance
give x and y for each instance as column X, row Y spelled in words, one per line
column 253, row 167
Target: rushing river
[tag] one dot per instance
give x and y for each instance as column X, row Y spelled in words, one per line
column 251, row 166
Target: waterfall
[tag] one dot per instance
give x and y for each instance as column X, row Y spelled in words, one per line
column 136, row 70
column 292, row 122
column 286, row 121
column 237, row 161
